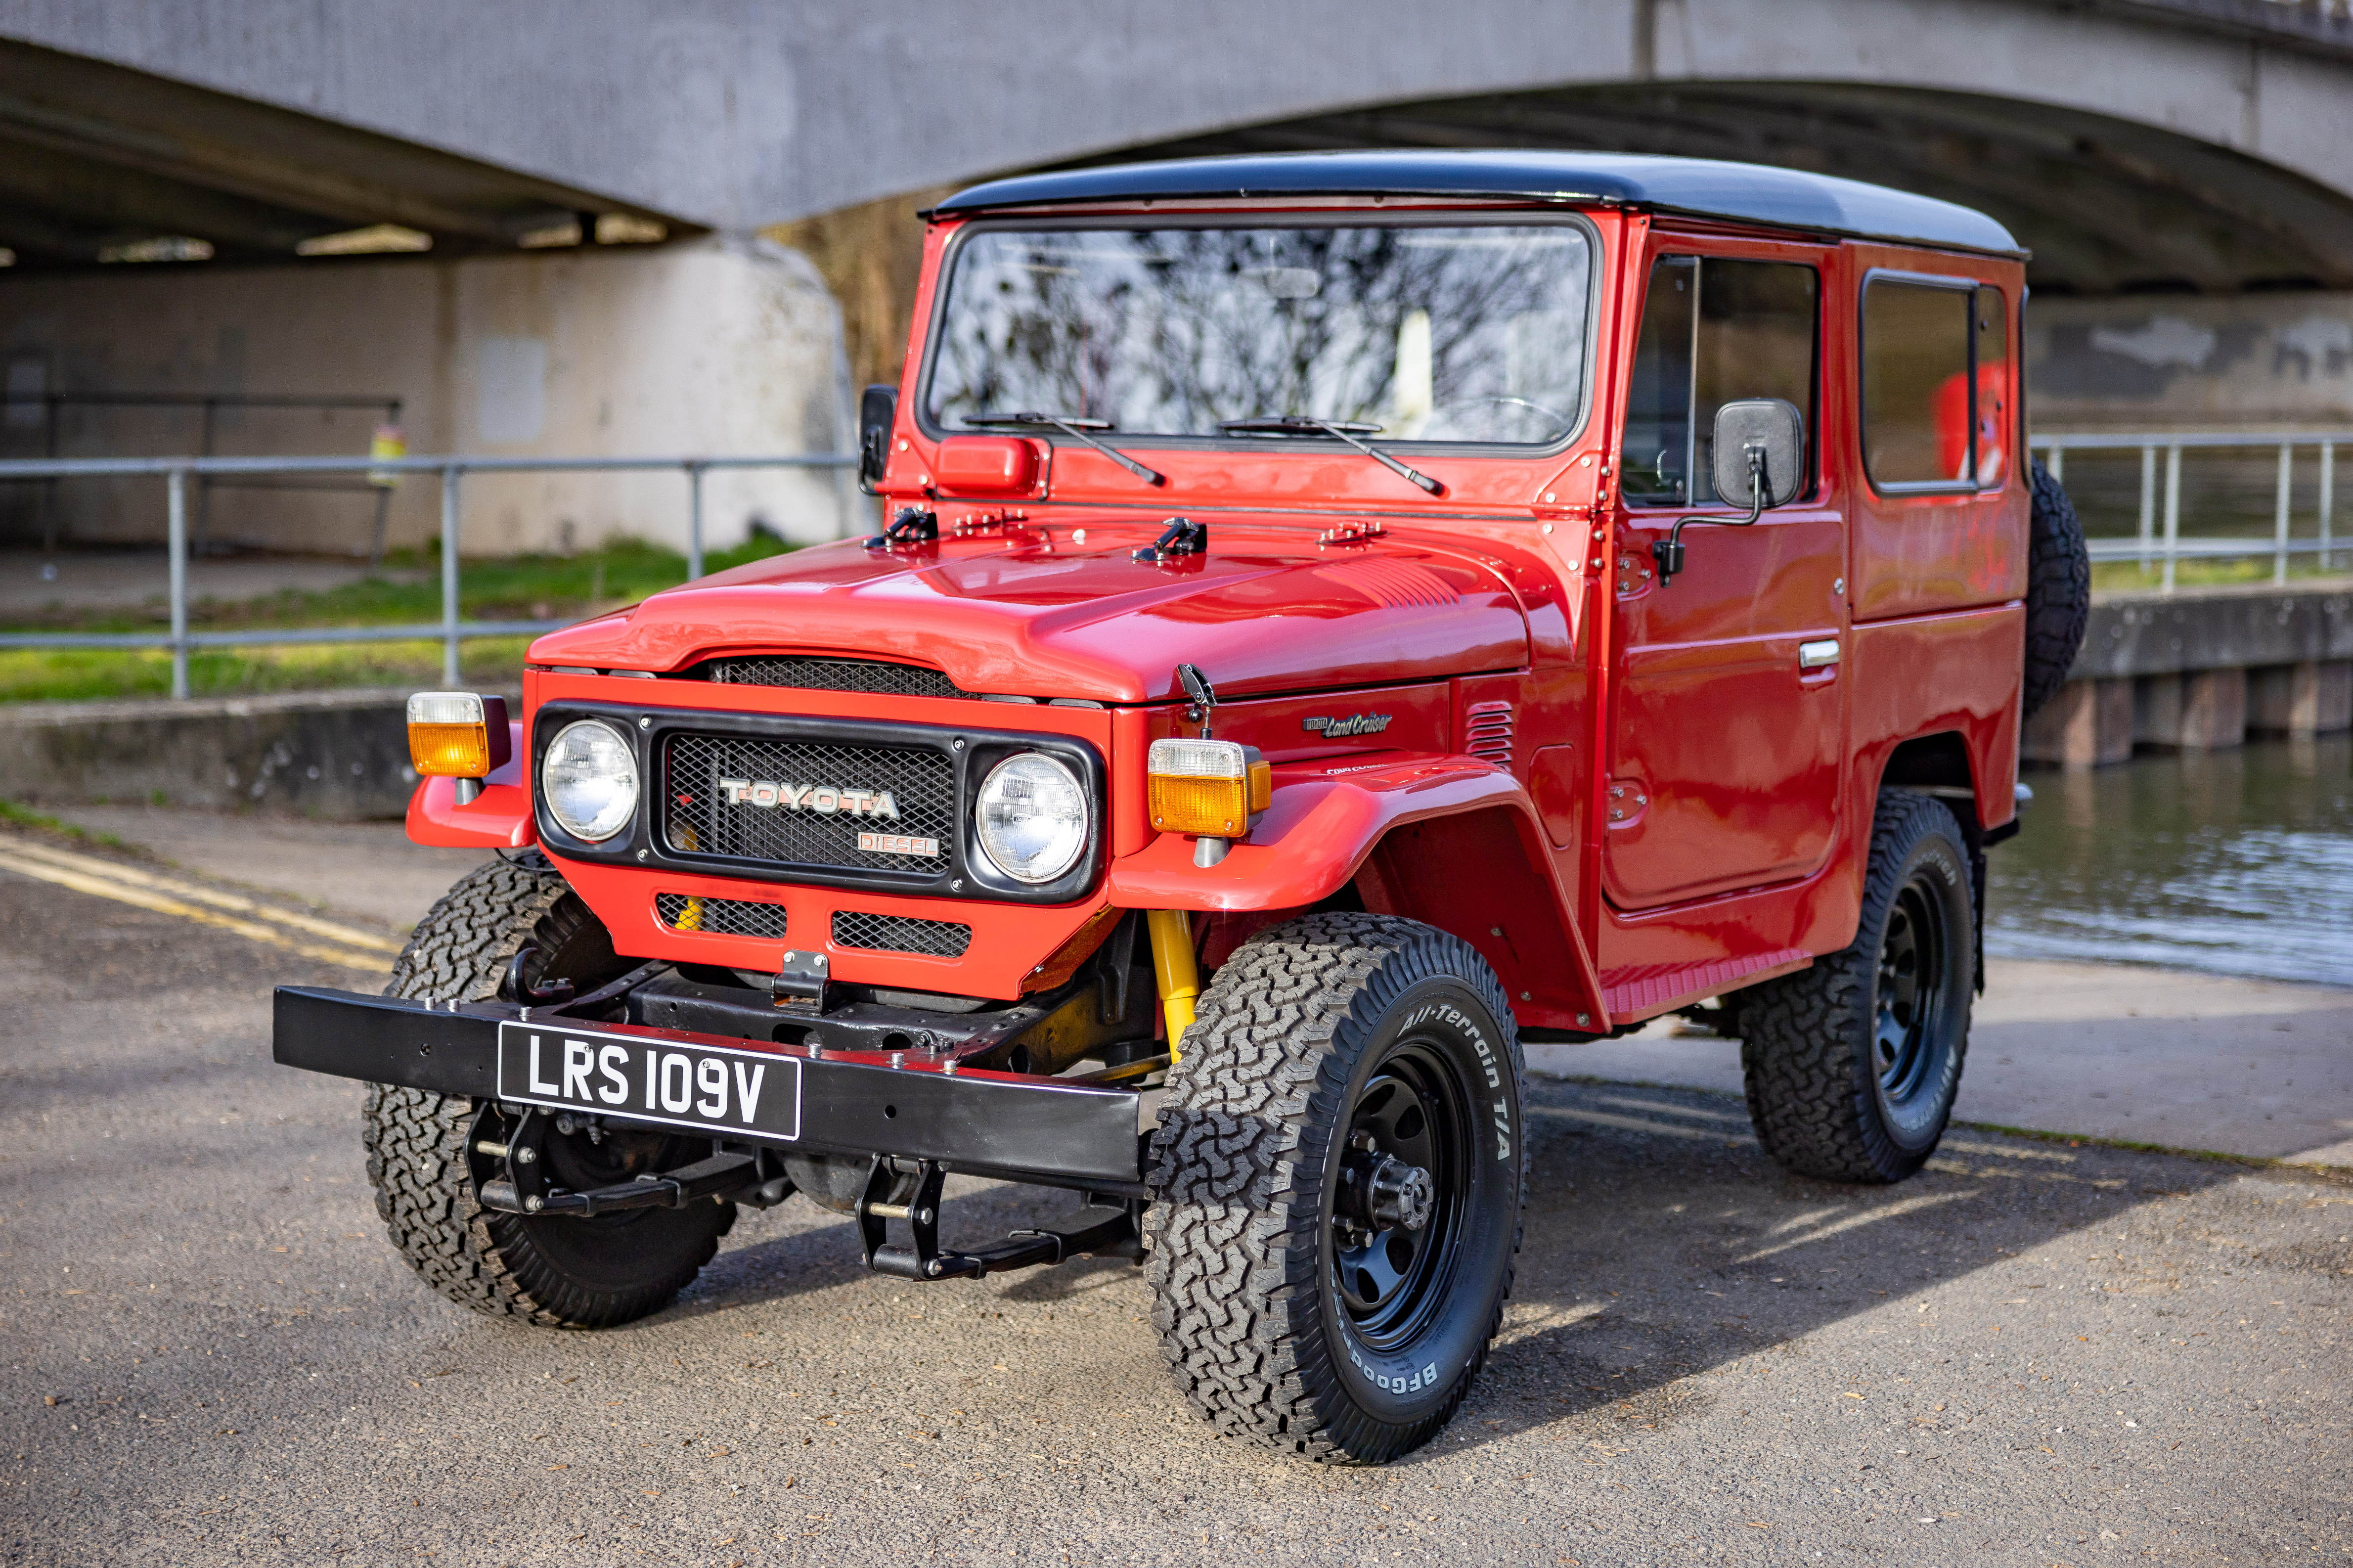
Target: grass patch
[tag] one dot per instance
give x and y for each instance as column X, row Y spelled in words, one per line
column 2127, row 576
column 517, row 587
column 26, row 817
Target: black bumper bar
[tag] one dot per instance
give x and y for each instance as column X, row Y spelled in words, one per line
column 1020, row 1126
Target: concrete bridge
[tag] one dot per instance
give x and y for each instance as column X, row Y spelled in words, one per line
column 2142, row 148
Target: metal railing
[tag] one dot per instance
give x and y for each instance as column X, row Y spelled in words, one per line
column 2150, row 546
column 451, row 631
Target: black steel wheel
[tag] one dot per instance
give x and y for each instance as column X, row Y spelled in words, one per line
column 1339, row 1169
column 556, row 1270
column 1853, row 1065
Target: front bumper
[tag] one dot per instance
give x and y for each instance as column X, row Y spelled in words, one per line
column 1013, row 1125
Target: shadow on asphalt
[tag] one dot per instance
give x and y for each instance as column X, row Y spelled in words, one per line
column 1660, row 1243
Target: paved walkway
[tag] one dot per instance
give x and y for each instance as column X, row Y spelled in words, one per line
column 31, row 583
column 2159, row 1056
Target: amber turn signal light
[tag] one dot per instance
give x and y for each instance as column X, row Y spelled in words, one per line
column 1207, row 788
column 458, row 734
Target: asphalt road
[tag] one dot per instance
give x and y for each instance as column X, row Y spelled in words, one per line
column 2033, row 1354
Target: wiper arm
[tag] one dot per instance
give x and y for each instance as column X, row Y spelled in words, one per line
column 1077, row 429
column 1338, row 429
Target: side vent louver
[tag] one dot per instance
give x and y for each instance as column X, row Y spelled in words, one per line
column 1487, row 732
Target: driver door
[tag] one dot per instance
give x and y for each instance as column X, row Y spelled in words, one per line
column 1729, row 713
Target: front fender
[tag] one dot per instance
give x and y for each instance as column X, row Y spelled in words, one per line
column 1451, row 841
column 1323, row 821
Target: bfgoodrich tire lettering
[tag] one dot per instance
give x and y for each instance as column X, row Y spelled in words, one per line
column 1851, row 1066
column 558, row 1271
column 1322, row 1046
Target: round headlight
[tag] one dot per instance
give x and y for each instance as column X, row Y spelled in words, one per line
column 1032, row 817
column 589, row 781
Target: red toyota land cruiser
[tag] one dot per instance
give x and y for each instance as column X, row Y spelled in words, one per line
column 1342, row 616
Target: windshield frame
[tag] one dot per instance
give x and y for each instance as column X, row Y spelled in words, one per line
column 1411, row 218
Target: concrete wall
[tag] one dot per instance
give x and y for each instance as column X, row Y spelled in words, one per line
column 2168, row 362
column 712, row 347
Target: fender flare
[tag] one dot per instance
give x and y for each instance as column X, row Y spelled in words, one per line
column 1451, row 839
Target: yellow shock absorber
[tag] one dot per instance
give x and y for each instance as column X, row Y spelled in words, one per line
column 1173, row 965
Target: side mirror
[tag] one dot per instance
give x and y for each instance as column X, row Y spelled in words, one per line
column 1760, row 458
column 1760, row 452
column 878, row 411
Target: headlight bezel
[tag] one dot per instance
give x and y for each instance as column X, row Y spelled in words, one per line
column 637, row 779
column 971, row 875
column 979, row 808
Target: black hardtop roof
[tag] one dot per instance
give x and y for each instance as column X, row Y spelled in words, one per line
column 1704, row 187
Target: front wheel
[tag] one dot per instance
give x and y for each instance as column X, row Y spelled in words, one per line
column 1853, row 1065
column 556, row 1270
column 1339, row 1169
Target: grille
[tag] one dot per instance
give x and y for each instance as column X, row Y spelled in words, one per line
column 719, row 916
column 901, row 934
column 700, row 820
column 834, row 676
column 1488, row 732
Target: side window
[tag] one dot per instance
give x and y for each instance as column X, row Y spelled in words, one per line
column 1713, row 330
column 1997, row 418
column 1658, row 406
column 1937, row 399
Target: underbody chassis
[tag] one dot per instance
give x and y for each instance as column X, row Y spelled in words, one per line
column 882, row 1098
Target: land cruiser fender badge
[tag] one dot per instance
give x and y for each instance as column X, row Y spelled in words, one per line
column 825, row 799
column 1355, row 724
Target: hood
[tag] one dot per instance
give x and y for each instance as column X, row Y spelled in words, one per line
column 1065, row 610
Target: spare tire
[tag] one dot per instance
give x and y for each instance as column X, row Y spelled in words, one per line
column 2058, row 589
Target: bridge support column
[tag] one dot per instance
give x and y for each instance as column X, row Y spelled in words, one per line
column 2204, row 710
column 2315, row 697
column 2088, row 724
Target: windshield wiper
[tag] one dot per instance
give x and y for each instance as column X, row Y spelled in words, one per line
column 1338, row 429
column 1076, row 428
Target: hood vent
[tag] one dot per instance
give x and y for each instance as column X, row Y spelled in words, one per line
column 1392, row 585
column 1487, row 732
column 817, row 674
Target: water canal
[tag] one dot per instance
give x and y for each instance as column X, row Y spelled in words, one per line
column 2234, row 862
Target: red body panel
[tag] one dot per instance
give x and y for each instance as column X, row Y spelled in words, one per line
column 498, row 818
column 1521, row 681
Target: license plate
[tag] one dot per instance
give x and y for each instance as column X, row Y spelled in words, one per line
column 706, row 1087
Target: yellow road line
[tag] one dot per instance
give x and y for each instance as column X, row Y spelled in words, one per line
column 90, row 865
column 144, row 899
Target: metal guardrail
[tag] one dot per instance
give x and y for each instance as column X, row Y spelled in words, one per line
column 451, row 631
column 2150, row 547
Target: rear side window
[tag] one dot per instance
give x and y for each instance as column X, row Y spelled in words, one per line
column 1713, row 330
column 1937, row 405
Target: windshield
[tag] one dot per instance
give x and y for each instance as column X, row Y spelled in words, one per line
column 1460, row 334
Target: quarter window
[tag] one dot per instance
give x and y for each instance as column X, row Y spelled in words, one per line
column 1936, row 372
column 1713, row 330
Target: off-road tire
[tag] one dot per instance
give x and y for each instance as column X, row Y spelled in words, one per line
column 555, row 1271
column 1808, row 1040
column 2058, row 589
column 1245, row 1166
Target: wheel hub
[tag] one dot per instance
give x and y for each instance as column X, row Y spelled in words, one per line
column 1382, row 1192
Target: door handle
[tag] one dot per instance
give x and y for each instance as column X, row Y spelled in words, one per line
column 1816, row 656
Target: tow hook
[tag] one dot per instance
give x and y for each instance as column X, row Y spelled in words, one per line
column 909, row 1190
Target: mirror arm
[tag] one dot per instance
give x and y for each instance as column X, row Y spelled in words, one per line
column 1669, row 551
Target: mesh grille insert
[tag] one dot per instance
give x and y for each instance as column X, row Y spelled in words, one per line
column 812, row 674
column 835, row 790
column 719, row 916
column 901, row 934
